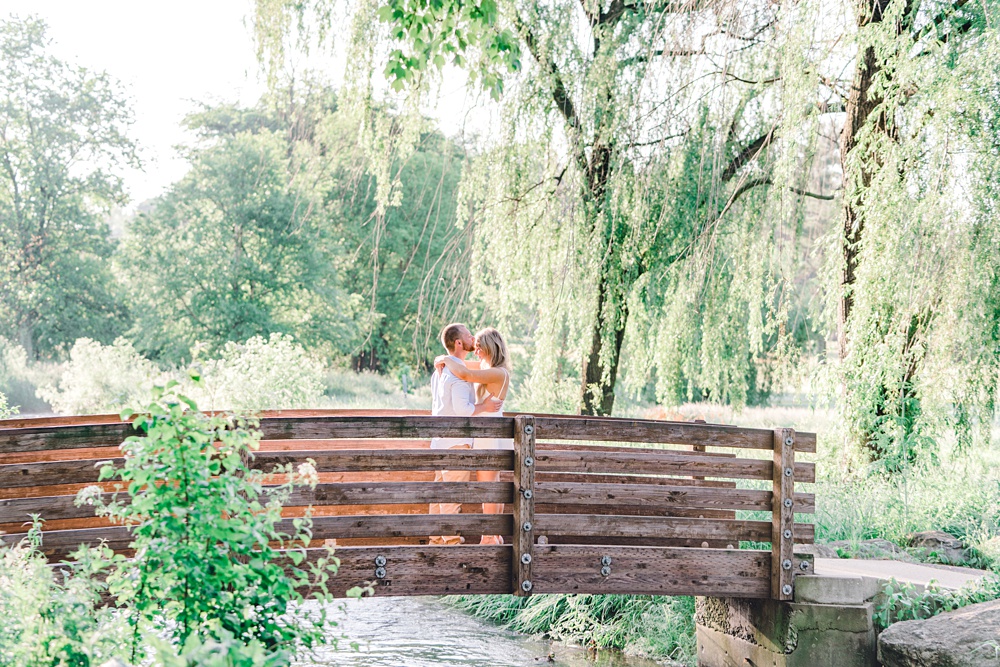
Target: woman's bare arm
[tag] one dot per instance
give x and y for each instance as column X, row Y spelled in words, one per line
column 479, row 376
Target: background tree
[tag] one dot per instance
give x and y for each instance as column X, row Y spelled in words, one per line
column 242, row 245
column 63, row 138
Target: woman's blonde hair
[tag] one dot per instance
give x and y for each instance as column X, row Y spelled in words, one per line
column 493, row 344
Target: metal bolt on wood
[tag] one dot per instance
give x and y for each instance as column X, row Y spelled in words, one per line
column 380, row 573
column 786, row 589
column 606, row 570
column 526, row 586
column 525, row 558
column 788, row 502
column 606, row 560
column 529, row 429
column 379, row 561
column 529, row 461
column 787, row 534
column 788, row 472
column 786, row 564
column 804, row 565
column 527, row 494
column 526, row 527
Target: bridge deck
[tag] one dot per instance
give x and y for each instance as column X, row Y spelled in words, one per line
column 592, row 505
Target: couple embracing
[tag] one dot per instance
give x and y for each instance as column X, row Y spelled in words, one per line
column 463, row 388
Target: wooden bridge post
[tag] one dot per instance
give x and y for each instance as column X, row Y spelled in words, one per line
column 783, row 515
column 524, row 504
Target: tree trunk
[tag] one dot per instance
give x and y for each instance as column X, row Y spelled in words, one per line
column 598, row 389
column 860, row 105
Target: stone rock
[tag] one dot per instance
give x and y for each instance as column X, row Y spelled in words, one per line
column 817, row 550
column 939, row 546
column 967, row 637
column 874, row 549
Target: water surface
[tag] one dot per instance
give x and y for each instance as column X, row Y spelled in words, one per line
column 424, row 632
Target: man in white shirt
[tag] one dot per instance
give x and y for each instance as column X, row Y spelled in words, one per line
column 456, row 398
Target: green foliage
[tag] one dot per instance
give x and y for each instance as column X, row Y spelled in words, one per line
column 901, row 602
column 661, row 627
column 261, row 374
column 242, row 245
column 101, row 378
column 64, row 138
column 207, row 572
column 52, row 618
column 922, row 177
column 6, row 411
column 435, row 33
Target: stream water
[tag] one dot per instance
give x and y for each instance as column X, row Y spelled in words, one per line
column 423, row 632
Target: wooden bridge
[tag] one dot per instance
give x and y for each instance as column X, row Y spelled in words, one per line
column 592, row 505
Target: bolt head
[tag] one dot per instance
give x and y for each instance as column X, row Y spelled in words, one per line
column 786, row 564
column 786, row 589
column 605, row 571
column 529, row 429
column 526, row 493
column 526, row 527
column 606, row 560
column 788, row 502
column 529, row 461
column 379, row 561
column 804, row 565
column 380, row 573
column 789, row 441
column 526, row 586
column 525, row 558
column 788, row 472
column 787, row 534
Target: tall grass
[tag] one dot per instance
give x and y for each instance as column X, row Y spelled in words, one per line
column 654, row 626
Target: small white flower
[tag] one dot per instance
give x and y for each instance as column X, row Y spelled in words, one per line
column 88, row 495
column 307, row 471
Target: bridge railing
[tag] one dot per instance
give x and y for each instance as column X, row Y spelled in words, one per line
column 591, row 505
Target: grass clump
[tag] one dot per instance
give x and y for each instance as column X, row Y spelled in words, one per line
column 901, row 602
column 654, row 626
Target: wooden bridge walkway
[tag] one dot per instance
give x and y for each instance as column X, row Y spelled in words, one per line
column 592, row 505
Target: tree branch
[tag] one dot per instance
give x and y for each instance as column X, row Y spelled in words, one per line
column 750, row 153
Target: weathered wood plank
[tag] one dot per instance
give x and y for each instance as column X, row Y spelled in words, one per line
column 524, row 504
column 663, row 496
column 584, row 525
column 360, row 460
column 282, row 428
column 782, row 515
column 423, row 570
column 639, row 430
column 347, row 493
column 652, row 571
column 652, row 462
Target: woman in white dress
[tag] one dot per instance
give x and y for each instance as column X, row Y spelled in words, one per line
column 491, row 375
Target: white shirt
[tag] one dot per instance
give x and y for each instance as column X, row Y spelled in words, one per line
column 452, row 397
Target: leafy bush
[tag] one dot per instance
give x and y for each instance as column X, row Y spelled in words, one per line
column 207, row 571
column 6, row 411
column 54, row 619
column 902, row 603
column 102, row 378
column 262, row 374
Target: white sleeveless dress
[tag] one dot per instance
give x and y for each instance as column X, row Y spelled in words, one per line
column 495, row 443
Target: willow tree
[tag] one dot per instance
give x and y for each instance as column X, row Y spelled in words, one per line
column 648, row 156
column 920, row 300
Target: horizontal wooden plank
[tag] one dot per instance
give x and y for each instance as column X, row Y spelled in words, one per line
column 347, row 493
column 663, row 496
column 423, row 570
column 652, row 571
column 361, row 460
column 665, row 432
column 634, row 510
column 387, row 493
column 643, row 527
column 47, row 473
column 282, row 428
column 651, row 462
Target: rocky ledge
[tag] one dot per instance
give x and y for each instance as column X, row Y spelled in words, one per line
column 967, row 637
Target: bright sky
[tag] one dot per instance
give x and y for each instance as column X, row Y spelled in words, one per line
column 166, row 54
